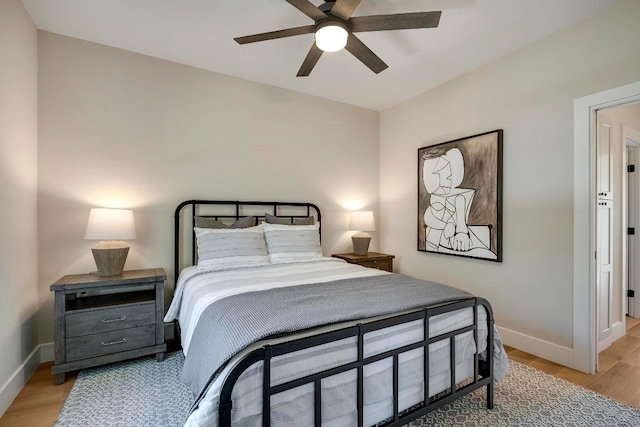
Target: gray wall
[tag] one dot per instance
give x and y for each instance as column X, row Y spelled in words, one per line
column 119, row 129
column 18, row 198
column 530, row 95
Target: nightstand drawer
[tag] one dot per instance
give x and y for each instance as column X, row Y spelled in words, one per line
column 119, row 317
column 379, row 264
column 86, row 346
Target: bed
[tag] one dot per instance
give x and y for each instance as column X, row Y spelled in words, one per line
column 274, row 333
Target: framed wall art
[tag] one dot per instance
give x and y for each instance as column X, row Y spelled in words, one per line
column 460, row 197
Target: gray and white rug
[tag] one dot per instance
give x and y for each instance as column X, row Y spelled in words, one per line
column 144, row 393
column 136, row 393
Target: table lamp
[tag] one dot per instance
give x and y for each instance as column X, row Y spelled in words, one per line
column 361, row 221
column 110, row 226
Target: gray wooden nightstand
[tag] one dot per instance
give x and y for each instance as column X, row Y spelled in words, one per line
column 101, row 320
column 371, row 260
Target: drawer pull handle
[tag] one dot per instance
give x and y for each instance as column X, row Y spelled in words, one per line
column 119, row 319
column 122, row 341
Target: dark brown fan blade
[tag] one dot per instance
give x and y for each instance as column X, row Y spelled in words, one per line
column 310, row 61
column 276, row 34
column 364, row 54
column 308, row 8
column 399, row 21
column 344, row 8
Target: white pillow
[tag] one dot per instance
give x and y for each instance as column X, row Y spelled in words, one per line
column 292, row 243
column 231, row 247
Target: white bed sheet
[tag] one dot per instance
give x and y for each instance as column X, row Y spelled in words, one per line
column 197, row 289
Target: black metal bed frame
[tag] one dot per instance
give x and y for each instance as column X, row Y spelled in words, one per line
column 482, row 369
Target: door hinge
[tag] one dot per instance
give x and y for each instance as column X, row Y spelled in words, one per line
column 631, row 168
column 631, row 231
column 631, row 293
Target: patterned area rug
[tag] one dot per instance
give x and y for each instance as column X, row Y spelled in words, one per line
column 136, row 393
column 532, row 398
column 143, row 393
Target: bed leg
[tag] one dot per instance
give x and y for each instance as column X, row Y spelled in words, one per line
column 490, row 395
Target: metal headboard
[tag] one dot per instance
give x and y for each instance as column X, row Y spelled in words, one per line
column 227, row 211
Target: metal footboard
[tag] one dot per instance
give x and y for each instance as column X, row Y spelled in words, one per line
column 482, row 369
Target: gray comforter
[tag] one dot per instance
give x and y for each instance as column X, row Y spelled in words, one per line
column 232, row 323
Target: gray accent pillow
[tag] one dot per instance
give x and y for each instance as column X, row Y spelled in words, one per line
column 203, row 222
column 304, row 221
column 270, row 219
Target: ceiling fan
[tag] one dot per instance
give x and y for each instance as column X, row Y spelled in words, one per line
column 334, row 29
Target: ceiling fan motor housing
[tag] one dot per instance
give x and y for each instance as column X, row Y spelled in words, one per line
column 327, row 6
column 331, row 34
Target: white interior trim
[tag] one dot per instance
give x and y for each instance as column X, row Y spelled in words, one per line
column 630, row 139
column 10, row 389
column 545, row 349
column 584, row 288
column 630, row 135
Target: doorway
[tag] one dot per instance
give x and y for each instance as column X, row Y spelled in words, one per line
column 616, row 183
column 585, row 337
column 631, row 140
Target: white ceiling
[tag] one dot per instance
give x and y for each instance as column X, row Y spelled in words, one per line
column 200, row 33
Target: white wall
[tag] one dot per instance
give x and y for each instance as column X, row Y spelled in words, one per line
column 18, row 199
column 530, row 95
column 119, row 129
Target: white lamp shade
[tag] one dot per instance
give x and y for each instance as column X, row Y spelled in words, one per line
column 362, row 221
column 110, row 224
column 331, row 38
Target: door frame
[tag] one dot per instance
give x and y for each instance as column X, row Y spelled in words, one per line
column 631, row 141
column 585, row 353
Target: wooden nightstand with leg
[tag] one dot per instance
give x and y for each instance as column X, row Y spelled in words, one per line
column 371, row 260
column 101, row 320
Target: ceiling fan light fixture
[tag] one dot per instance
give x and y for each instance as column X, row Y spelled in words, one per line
column 332, row 36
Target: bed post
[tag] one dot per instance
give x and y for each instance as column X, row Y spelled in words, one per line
column 225, row 393
column 488, row 368
column 266, row 386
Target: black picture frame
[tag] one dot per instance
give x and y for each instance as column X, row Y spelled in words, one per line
column 460, row 197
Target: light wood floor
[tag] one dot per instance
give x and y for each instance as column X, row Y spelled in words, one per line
column 40, row 401
column 618, row 372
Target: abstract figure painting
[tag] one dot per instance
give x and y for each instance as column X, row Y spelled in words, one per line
column 460, row 197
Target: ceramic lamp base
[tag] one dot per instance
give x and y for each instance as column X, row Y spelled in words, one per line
column 110, row 257
column 361, row 243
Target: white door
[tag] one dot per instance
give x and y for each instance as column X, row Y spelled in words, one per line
column 604, row 235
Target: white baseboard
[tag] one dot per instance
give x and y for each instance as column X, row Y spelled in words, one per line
column 545, row 349
column 617, row 331
column 10, row 389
